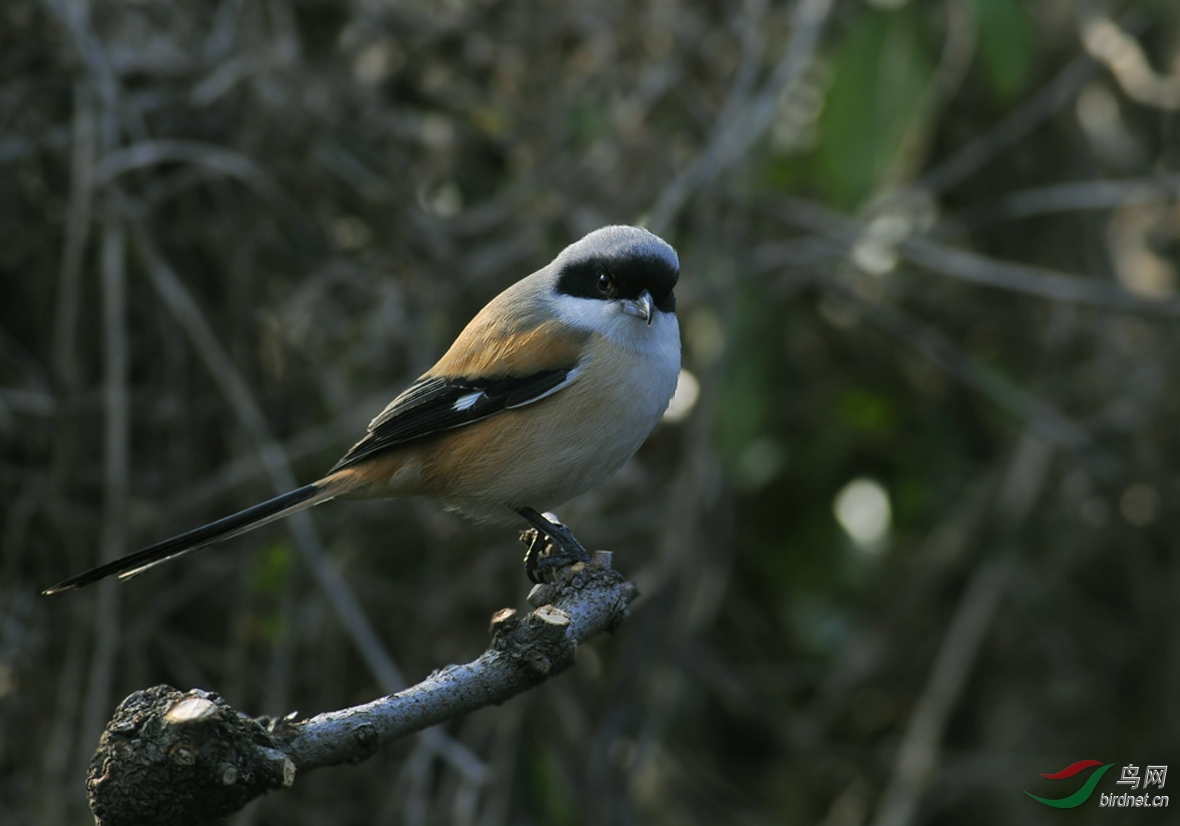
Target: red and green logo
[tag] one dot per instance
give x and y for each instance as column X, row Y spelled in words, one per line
column 1081, row 795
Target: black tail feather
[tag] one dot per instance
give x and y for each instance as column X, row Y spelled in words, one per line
column 250, row 518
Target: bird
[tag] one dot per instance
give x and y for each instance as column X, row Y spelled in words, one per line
column 545, row 393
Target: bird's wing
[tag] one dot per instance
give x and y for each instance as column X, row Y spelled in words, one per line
column 500, row 361
column 433, row 404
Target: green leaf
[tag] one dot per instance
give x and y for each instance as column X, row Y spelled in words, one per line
column 866, row 411
column 1006, row 46
column 272, row 568
column 880, row 72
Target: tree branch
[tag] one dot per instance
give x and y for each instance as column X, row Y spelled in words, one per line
column 184, row 758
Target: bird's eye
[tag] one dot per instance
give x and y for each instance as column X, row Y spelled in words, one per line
column 605, row 283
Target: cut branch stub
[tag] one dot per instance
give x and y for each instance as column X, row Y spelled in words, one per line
column 188, row 747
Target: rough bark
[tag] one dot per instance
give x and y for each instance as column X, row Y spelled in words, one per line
column 178, row 757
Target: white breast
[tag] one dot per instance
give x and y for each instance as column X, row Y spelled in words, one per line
column 644, row 358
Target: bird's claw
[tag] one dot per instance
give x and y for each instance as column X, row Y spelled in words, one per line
column 550, row 546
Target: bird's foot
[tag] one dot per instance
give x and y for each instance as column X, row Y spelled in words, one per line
column 550, row 545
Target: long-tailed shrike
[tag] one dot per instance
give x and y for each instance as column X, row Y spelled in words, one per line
column 547, row 392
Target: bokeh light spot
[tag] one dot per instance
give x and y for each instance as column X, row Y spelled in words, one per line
column 862, row 508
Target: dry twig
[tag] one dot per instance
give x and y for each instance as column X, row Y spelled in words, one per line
column 917, row 756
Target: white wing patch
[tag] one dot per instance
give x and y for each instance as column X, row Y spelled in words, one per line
column 468, row 401
column 573, row 374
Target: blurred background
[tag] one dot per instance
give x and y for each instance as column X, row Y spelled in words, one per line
column 906, row 541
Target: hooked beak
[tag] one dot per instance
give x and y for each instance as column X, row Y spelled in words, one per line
column 639, row 307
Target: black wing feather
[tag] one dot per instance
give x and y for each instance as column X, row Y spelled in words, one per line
column 429, row 406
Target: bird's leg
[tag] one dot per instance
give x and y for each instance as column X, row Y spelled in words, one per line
column 536, row 560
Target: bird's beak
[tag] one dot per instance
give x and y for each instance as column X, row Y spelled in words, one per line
column 639, row 307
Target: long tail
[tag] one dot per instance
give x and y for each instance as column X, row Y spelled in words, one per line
column 247, row 520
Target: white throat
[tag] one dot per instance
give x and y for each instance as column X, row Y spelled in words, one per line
column 658, row 342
